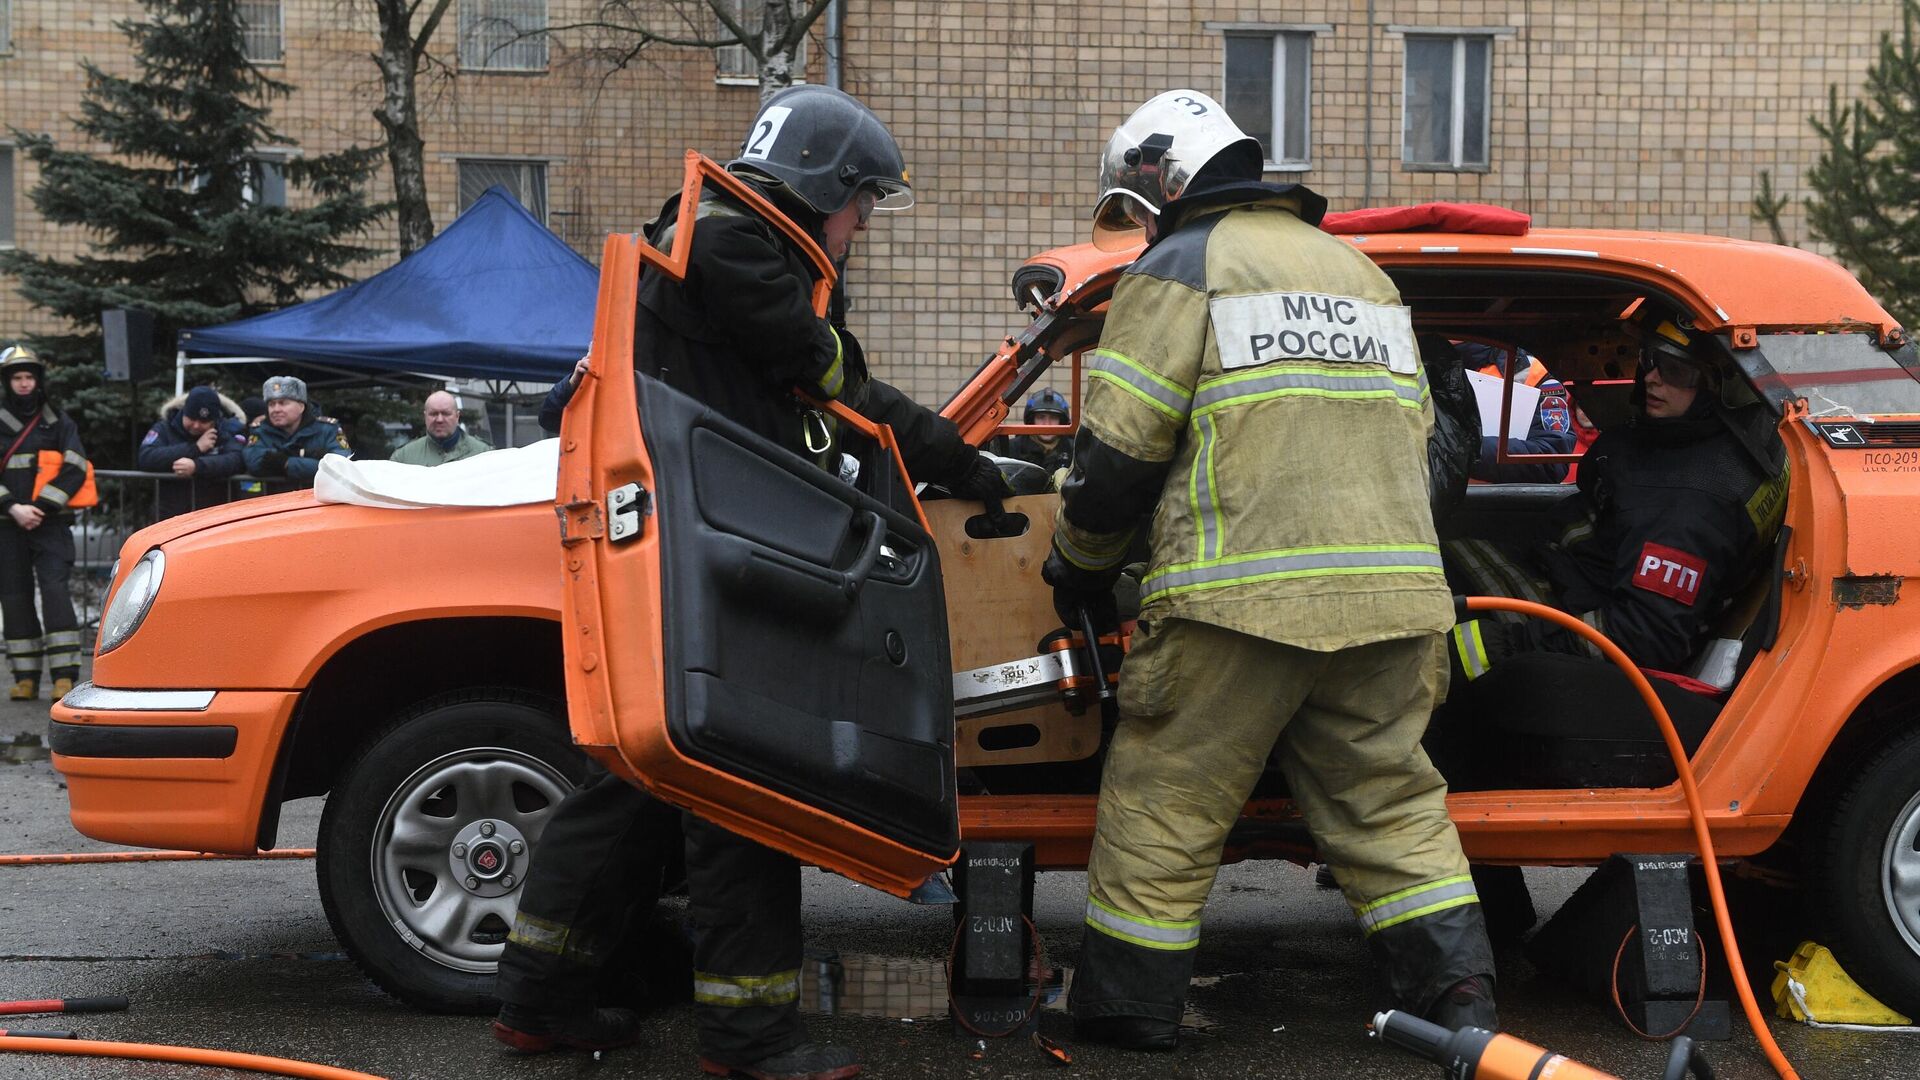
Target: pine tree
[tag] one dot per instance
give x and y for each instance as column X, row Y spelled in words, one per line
column 175, row 227
column 1866, row 183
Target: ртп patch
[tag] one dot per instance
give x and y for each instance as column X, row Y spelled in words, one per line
column 1265, row 327
column 1670, row 572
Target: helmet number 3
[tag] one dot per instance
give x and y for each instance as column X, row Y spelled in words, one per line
column 766, row 132
column 1197, row 108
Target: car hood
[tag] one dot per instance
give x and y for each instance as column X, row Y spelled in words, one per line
column 173, row 528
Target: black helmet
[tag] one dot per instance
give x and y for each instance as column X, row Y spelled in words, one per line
column 824, row 146
column 1048, row 400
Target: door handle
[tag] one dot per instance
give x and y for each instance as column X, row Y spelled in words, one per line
column 853, row 577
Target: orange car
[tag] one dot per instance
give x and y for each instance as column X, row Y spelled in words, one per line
column 413, row 666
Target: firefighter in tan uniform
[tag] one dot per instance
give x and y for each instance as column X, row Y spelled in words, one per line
column 1258, row 395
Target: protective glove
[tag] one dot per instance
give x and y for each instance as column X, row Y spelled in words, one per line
column 273, row 463
column 1075, row 589
column 983, row 482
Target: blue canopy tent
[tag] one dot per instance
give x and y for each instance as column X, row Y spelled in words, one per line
column 495, row 296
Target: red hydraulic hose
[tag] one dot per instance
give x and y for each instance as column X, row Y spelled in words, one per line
column 145, row 856
column 1701, row 834
column 182, row 1055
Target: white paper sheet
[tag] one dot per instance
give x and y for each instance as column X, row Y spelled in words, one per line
column 1526, row 402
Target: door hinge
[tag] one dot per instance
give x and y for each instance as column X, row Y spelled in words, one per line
column 580, row 522
column 627, row 509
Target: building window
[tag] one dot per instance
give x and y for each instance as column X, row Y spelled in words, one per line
column 1269, row 93
column 1449, row 84
column 503, row 35
column 6, row 193
column 266, row 181
column 524, row 180
column 262, row 34
column 733, row 63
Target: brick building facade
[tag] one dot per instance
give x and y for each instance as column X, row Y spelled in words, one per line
column 1624, row 113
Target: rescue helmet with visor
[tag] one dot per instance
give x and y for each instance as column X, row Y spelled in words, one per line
column 825, row 147
column 1152, row 158
column 1668, row 347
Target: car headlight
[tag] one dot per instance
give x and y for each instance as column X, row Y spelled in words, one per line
column 132, row 600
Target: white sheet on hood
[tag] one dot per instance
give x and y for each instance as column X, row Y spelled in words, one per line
column 525, row 474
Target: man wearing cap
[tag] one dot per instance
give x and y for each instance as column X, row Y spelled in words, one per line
column 199, row 438
column 291, row 441
column 446, row 438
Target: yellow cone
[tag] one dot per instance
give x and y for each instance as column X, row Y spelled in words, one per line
column 1827, row 995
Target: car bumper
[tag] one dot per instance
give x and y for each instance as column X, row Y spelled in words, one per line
column 169, row 768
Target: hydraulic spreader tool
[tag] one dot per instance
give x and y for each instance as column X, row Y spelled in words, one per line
column 1473, row 1053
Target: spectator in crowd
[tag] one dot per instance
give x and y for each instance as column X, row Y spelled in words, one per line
column 291, row 440
column 45, row 475
column 254, row 408
column 200, row 437
column 446, row 438
column 557, row 398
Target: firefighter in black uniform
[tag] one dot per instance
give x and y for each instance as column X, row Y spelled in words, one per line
column 36, row 539
column 1675, row 513
column 1051, row 452
column 738, row 334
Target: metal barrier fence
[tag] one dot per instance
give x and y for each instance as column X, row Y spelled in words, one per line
column 129, row 502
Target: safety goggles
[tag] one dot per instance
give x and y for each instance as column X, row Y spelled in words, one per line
column 1675, row 372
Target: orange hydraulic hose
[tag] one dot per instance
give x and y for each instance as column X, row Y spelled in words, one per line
column 146, row 856
column 183, row 1055
column 1695, row 810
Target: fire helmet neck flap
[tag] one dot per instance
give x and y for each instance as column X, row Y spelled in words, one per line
column 1152, row 158
column 824, row 145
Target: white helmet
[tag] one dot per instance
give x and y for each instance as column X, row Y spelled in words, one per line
column 1154, row 155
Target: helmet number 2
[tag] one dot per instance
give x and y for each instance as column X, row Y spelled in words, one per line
column 1195, row 107
column 766, row 132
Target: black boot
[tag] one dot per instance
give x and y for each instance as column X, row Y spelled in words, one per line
column 1467, row 1003
column 1128, row 1032
column 808, row 1061
column 531, row 1032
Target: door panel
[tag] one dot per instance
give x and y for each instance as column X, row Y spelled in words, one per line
column 758, row 641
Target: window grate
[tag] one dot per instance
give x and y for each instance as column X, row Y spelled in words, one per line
column 503, row 35
column 524, row 180
column 262, row 33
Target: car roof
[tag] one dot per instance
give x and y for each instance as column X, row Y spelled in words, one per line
column 1728, row 283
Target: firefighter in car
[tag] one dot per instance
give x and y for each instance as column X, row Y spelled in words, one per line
column 1294, row 606
column 740, row 335
column 1675, row 512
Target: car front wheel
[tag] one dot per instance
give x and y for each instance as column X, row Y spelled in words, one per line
column 1866, row 886
column 427, row 836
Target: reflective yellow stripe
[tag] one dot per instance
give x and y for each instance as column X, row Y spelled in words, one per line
column 1162, row 934
column 1149, row 386
column 74, row 458
column 1338, row 382
column 1471, row 649
column 54, row 495
column 835, row 378
column 1409, row 904
column 1292, row 563
column 22, row 461
column 1203, row 493
column 1091, row 551
column 779, row 988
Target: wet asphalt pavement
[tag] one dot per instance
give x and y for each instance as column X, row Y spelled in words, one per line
column 238, row 956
